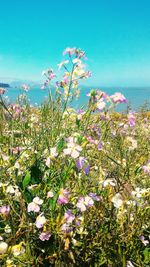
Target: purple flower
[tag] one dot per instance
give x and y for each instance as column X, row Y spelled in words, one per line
column 44, row 236
column 80, row 163
column 100, row 146
column 69, row 216
column 62, row 200
column 88, row 201
column 131, row 119
column 66, row 228
column 95, row 197
column 97, row 131
column 87, row 169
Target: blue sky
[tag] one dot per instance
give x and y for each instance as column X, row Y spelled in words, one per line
column 114, row 33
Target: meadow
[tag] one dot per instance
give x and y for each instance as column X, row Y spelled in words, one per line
column 74, row 184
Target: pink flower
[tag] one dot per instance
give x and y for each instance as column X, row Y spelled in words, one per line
column 84, row 202
column 81, row 204
column 69, row 50
column 63, row 197
column 5, row 210
column 2, row 91
column 50, row 194
column 65, row 80
column 72, row 148
column 62, row 200
column 25, row 87
column 49, row 74
column 101, row 105
column 80, row 113
column 118, row 98
column 91, row 140
column 40, row 221
column 146, row 168
column 35, row 205
column 44, row 236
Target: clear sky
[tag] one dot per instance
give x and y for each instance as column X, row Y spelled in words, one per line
column 114, row 33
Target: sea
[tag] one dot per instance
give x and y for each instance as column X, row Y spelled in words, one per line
column 137, row 97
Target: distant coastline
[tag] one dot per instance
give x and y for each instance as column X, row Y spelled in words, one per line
column 4, row 85
column 136, row 96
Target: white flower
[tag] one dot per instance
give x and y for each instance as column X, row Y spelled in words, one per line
column 40, row 221
column 53, row 152
column 18, row 250
column 10, row 263
column 129, row 264
column 3, row 247
column 108, row 182
column 63, row 63
column 48, row 162
column 7, row 229
column 72, row 149
column 138, row 192
column 132, row 143
column 38, row 201
column 17, row 165
column 76, row 60
column 117, row 201
column 10, row 189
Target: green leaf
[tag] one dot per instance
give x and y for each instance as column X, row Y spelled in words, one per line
column 146, row 253
column 26, row 180
column 60, row 145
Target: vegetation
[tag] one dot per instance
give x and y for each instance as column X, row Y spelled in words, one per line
column 74, row 187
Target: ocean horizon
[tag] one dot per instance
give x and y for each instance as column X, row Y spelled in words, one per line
column 137, row 97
